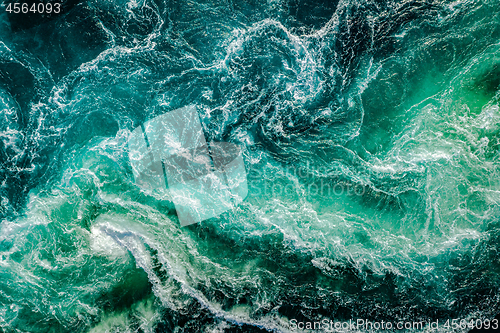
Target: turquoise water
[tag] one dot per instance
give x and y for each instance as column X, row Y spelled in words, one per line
column 371, row 138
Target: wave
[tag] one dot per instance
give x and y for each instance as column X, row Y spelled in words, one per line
column 370, row 140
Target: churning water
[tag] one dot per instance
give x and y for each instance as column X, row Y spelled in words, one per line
column 370, row 133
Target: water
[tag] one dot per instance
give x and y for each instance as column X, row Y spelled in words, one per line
column 370, row 135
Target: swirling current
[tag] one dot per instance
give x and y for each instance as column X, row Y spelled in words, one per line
column 370, row 132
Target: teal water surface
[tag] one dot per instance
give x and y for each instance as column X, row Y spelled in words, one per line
column 371, row 139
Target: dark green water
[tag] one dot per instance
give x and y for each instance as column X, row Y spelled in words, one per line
column 371, row 139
